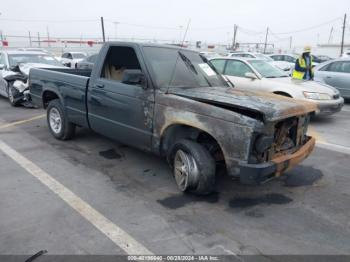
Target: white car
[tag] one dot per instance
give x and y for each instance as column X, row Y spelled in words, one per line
column 14, row 71
column 289, row 58
column 285, row 66
column 257, row 75
column 71, row 59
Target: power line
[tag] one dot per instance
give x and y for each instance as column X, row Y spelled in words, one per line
column 48, row 21
column 311, row 27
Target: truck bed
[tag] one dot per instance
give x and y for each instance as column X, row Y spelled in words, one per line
column 70, row 84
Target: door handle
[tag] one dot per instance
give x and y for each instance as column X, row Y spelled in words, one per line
column 100, row 85
column 328, row 77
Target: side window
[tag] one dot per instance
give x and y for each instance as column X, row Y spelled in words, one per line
column 91, row 59
column 281, row 58
column 119, row 59
column 249, row 56
column 346, row 67
column 236, row 68
column 289, row 59
column 69, row 56
column 219, row 64
column 275, row 57
column 333, row 67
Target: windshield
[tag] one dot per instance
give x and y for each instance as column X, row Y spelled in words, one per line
column 264, row 57
column 267, row 70
column 78, row 55
column 15, row 59
column 191, row 69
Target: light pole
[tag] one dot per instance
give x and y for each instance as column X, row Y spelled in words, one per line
column 180, row 28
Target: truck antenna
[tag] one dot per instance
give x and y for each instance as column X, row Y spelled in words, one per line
column 178, row 55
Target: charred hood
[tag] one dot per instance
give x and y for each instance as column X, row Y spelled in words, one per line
column 257, row 105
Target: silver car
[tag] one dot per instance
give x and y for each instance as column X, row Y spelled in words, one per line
column 257, row 75
column 335, row 73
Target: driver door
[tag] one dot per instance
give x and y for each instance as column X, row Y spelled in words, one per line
column 117, row 109
column 236, row 70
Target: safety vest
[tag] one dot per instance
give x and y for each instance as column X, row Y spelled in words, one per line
column 302, row 63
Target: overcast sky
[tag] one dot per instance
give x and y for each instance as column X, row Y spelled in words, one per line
column 211, row 20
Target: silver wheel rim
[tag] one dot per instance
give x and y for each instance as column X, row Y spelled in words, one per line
column 55, row 120
column 185, row 170
column 11, row 95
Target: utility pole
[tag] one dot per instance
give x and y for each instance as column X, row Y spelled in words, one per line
column 30, row 39
column 330, row 35
column 290, row 42
column 39, row 40
column 48, row 36
column 342, row 38
column 265, row 45
column 103, row 30
column 234, row 37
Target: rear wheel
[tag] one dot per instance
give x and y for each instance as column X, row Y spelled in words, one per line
column 193, row 167
column 57, row 121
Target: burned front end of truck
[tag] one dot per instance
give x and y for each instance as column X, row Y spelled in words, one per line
column 257, row 136
column 278, row 148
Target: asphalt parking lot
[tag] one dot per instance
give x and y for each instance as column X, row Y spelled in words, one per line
column 91, row 186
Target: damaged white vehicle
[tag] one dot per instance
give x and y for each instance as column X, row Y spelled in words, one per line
column 14, row 71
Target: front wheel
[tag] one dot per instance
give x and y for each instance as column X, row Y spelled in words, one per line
column 57, row 121
column 11, row 93
column 193, row 167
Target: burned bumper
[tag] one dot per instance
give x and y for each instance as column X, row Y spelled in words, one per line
column 258, row 173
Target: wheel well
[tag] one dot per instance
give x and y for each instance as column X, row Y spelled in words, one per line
column 48, row 96
column 282, row 93
column 177, row 132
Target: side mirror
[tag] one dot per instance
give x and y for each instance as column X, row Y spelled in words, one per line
column 2, row 66
column 134, row 77
column 250, row 75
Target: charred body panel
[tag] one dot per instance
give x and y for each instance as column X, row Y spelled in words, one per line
column 254, row 147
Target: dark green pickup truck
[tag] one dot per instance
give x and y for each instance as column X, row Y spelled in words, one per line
column 171, row 102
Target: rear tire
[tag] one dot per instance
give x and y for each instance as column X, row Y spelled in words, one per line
column 193, row 167
column 57, row 121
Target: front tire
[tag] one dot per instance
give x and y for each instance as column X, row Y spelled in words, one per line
column 58, row 122
column 193, row 167
column 11, row 93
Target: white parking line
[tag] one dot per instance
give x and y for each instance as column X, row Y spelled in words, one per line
column 334, row 147
column 121, row 238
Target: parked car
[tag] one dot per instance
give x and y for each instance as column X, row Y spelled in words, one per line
column 70, row 59
column 335, row 73
column 88, row 62
column 257, row 75
column 287, row 58
column 14, row 70
column 346, row 53
column 35, row 49
column 209, row 54
column 318, row 59
column 280, row 64
column 171, row 102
